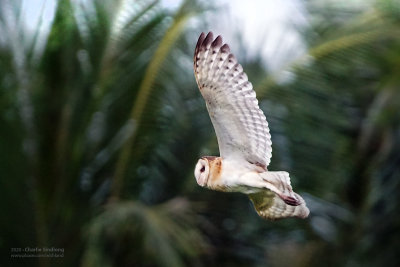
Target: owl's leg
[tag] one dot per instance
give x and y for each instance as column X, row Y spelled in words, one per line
column 277, row 182
column 281, row 181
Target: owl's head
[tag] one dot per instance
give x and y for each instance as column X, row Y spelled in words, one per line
column 207, row 167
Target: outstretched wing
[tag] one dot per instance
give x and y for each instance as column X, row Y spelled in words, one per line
column 279, row 201
column 240, row 125
column 270, row 206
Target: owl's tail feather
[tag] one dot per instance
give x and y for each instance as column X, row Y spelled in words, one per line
column 270, row 206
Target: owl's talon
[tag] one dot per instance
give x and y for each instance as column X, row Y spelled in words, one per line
column 292, row 201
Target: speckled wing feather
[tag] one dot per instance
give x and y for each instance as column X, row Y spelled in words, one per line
column 270, row 205
column 240, row 125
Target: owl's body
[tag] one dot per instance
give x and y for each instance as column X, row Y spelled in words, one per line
column 228, row 176
column 270, row 192
column 243, row 136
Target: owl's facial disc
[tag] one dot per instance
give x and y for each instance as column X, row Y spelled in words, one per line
column 202, row 171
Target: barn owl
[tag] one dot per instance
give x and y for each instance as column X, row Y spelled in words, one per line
column 242, row 133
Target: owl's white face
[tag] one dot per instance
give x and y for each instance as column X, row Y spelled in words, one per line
column 202, row 172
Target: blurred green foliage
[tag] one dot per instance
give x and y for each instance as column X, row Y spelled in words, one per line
column 100, row 131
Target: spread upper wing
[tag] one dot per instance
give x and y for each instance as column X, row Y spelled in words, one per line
column 240, row 125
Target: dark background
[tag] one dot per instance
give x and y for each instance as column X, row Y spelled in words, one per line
column 101, row 128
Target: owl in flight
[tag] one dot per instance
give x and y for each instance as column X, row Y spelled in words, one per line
column 243, row 136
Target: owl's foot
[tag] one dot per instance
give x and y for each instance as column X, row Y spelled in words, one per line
column 290, row 200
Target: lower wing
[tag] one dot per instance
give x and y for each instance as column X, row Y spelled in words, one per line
column 278, row 200
column 270, row 206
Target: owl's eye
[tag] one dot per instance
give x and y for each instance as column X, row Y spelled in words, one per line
column 201, row 172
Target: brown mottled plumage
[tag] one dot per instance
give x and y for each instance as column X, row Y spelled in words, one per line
column 215, row 181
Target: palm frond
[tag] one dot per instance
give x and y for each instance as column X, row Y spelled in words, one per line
column 145, row 89
column 166, row 234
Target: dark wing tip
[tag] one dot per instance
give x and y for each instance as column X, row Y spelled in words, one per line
column 196, row 50
column 201, row 38
column 200, row 41
column 291, row 200
column 225, row 48
column 207, row 40
column 217, row 42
